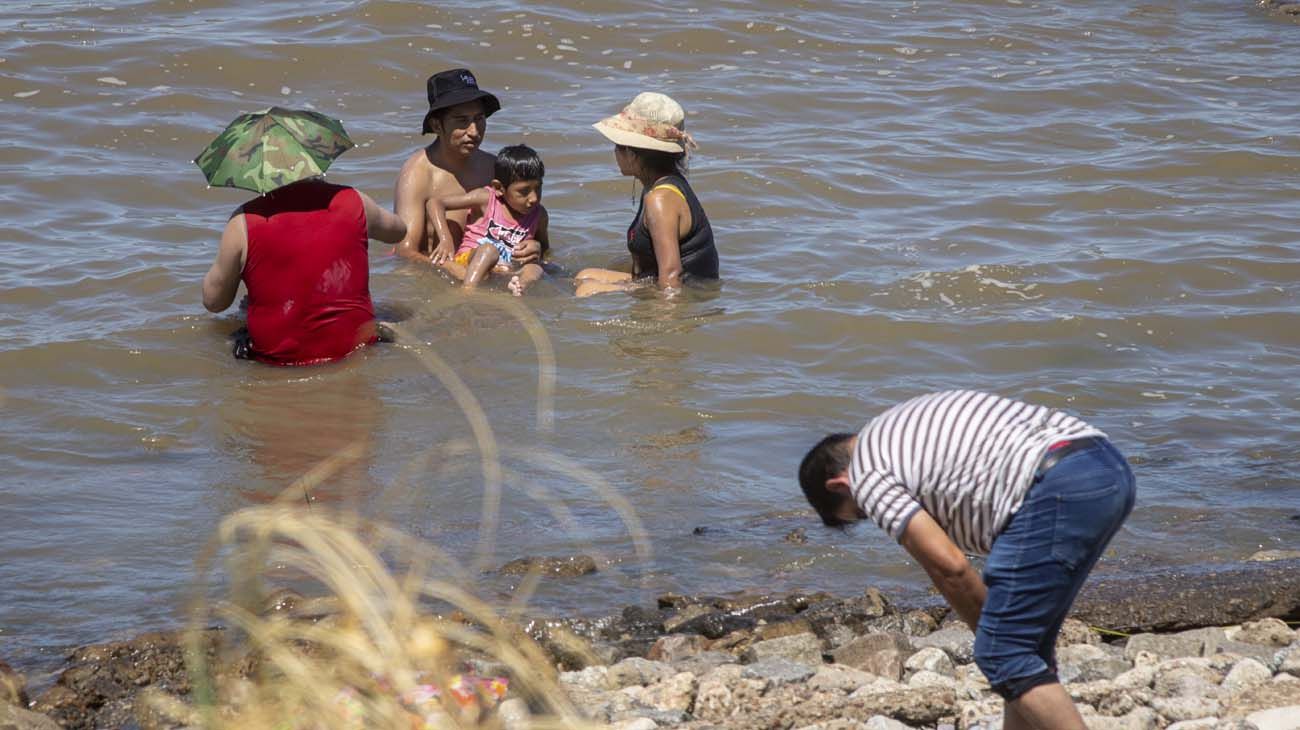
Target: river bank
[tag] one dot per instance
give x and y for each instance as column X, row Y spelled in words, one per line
column 1189, row 650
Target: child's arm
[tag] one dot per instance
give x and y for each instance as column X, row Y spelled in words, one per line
column 437, row 209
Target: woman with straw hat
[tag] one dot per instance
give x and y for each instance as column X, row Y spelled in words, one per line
column 670, row 237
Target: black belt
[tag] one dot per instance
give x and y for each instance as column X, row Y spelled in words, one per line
column 1062, row 450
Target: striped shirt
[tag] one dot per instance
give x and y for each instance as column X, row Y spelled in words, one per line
column 966, row 458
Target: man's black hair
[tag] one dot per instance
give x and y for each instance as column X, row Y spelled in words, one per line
column 518, row 162
column 828, row 458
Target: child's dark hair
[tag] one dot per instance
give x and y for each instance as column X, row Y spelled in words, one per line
column 518, row 162
column 829, row 457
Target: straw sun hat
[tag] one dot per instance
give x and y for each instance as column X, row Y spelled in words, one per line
column 651, row 122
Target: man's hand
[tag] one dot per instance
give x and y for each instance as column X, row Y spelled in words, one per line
column 442, row 253
column 527, row 251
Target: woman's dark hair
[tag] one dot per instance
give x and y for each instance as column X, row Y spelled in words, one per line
column 518, row 162
column 829, row 457
column 659, row 162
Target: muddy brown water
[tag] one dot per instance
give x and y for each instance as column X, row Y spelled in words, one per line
column 1092, row 205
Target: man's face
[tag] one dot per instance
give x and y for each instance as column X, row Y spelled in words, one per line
column 462, row 127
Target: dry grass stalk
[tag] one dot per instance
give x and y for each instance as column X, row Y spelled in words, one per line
column 382, row 640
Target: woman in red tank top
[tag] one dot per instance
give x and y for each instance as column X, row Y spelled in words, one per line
column 302, row 255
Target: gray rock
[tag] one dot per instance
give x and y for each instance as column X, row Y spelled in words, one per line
column 1267, row 632
column 879, row 685
column 715, row 624
column 1079, row 653
column 1186, row 680
column 704, row 662
column 596, row 677
column 16, row 718
column 660, row 718
column 1074, row 631
column 930, row 659
column 1205, row 723
column 1268, row 556
column 635, row 671
column 777, row 671
column 880, row 654
column 675, row 694
column 1088, row 663
column 837, row 635
column 687, row 614
column 1277, row 718
column 724, row 694
column 839, row 678
column 1264, row 697
column 1136, row 678
column 1176, row 709
column 1246, row 674
column 880, row 722
column 1140, row 718
column 958, row 641
column 1165, row 645
column 926, row 678
column 676, row 647
column 514, row 714
column 913, row 706
column 13, row 686
column 1176, row 600
column 636, row 723
column 984, row 713
column 602, row 706
column 556, row 567
column 1289, row 661
column 1266, row 655
column 802, row 648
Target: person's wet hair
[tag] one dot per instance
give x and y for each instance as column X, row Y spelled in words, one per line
column 828, row 458
column 518, row 162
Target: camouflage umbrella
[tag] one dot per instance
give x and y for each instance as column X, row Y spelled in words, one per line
column 265, row 150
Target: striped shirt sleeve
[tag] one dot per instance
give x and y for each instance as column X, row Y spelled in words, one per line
column 886, row 501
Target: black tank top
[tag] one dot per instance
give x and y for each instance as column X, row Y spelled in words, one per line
column 699, row 257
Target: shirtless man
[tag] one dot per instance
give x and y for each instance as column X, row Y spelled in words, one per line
column 452, row 165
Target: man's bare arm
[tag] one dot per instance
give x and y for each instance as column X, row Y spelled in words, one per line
column 221, row 283
column 437, row 213
column 380, row 224
column 409, row 196
column 946, row 565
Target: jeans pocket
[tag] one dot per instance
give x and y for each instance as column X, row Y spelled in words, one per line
column 1084, row 522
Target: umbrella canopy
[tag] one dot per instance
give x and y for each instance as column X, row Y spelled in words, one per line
column 268, row 149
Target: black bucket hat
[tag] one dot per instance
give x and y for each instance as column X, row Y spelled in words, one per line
column 456, row 86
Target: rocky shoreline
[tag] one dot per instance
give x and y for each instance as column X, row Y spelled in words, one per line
column 1188, row 650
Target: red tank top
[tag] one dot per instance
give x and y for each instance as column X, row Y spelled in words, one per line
column 308, row 274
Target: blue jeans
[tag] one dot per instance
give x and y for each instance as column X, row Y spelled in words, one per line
column 1040, row 561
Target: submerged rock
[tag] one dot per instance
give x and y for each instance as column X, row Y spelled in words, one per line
column 13, row 717
column 13, row 687
column 557, row 567
column 102, row 686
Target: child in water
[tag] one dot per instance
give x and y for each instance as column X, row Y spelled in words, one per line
column 505, row 212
